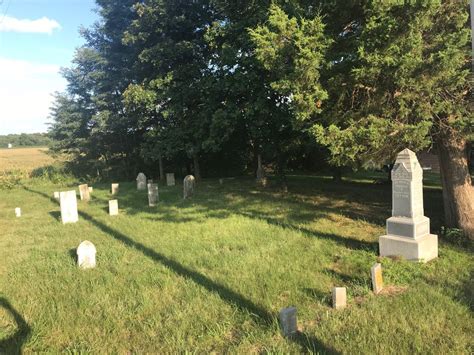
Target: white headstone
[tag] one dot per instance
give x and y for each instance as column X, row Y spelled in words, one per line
column 68, row 202
column 18, row 212
column 188, row 186
column 113, row 208
column 114, row 189
column 153, row 196
column 86, row 253
column 141, row 181
column 91, row 189
column 56, row 195
column 339, row 297
column 170, row 180
column 10, row 146
column 408, row 230
column 288, row 322
column 84, row 192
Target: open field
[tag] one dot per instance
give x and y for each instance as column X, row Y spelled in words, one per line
column 210, row 274
column 24, row 159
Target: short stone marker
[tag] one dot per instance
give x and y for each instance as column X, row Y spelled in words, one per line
column 408, row 230
column 221, row 181
column 18, row 212
column 288, row 322
column 339, row 297
column 113, row 208
column 91, row 189
column 153, row 196
column 84, row 192
column 141, row 181
column 114, row 189
column 170, row 180
column 377, row 279
column 86, row 252
column 68, row 202
column 56, row 195
column 188, row 186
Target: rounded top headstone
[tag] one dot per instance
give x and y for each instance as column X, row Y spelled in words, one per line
column 86, row 247
column 141, row 176
column 189, row 178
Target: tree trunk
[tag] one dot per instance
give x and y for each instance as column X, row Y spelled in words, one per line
column 260, row 171
column 458, row 192
column 197, row 170
column 160, row 163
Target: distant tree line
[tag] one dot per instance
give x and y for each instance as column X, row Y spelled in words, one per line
column 217, row 87
column 25, row 140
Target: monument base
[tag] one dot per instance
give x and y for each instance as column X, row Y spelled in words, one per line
column 422, row 249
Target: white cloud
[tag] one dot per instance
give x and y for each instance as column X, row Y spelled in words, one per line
column 26, row 90
column 41, row 25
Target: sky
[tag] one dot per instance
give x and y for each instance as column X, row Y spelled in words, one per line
column 37, row 38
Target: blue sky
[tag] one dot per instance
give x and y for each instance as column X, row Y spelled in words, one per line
column 37, row 38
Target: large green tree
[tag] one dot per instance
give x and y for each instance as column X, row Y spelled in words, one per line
column 405, row 84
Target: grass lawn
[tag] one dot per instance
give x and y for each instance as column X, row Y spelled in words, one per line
column 210, row 274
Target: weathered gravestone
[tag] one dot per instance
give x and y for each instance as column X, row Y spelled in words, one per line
column 84, row 192
column 221, row 181
column 408, row 230
column 377, row 279
column 56, row 195
column 152, row 195
column 141, row 181
column 18, row 212
column 339, row 297
column 91, row 189
column 188, row 186
column 114, row 189
column 68, row 202
column 288, row 322
column 86, row 252
column 113, row 208
column 170, row 180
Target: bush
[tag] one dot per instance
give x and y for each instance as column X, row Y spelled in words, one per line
column 455, row 236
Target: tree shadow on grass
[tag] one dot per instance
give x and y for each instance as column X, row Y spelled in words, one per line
column 14, row 343
column 257, row 312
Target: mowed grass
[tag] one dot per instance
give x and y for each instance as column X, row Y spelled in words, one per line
column 24, row 159
column 210, row 274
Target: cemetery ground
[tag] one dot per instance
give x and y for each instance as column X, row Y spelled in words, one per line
column 211, row 273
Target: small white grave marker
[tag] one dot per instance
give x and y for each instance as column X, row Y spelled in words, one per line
column 86, row 252
column 141, row 181
column 153, row 196
column 188, row 186
column 339, row 297
column 114, row 189
column 113, row 208
column 288, row 322
column 18, row 212
column 170, row 180
column 68, row 203
column 91, row 189
column 84, row 192
column 56, row 195
column 377, row 279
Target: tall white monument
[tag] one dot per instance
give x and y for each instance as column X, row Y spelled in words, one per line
column 408, row 230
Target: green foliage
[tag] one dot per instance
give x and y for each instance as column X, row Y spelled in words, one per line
column 294, row 52
column 25, row 140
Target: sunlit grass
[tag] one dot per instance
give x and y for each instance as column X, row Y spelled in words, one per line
column 211, row 273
